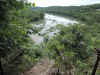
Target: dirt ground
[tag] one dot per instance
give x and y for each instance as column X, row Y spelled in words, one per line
column 41, row 68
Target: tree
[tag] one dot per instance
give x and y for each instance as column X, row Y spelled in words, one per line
column 72, row 44
column 9, row 42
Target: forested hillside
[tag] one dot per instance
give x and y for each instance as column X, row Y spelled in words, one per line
column 84, row 13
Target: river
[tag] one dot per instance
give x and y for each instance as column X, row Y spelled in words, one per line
column 48, row 26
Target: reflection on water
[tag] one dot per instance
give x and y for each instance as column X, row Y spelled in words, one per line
column 50, row 22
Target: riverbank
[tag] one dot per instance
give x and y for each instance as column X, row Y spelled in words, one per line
column 48, row 26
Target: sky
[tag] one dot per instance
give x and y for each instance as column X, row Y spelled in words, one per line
column 46, row 3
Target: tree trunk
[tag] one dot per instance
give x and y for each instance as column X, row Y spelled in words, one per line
column 95, row 66
column 1, row 68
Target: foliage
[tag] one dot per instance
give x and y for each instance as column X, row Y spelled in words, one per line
column 72, row 44
column 71, row 48
column 80, row 39
column 15, row 24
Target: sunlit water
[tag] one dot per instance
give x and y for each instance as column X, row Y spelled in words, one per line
column 48, row 26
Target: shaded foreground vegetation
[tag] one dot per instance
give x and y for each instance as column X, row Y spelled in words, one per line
column 72, row 48
column 17, row 51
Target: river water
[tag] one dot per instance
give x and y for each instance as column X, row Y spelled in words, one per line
column 48, row 26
